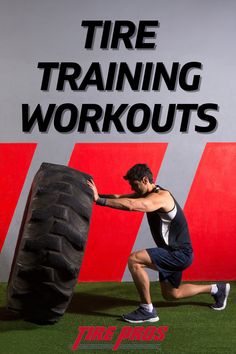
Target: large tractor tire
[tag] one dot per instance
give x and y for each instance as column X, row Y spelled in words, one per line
column 51, row 244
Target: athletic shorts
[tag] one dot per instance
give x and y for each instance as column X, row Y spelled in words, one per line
column 170, row 264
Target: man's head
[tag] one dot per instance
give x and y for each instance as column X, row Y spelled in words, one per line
column 140, row 178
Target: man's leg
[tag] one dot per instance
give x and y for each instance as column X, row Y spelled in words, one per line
column 183, row 291
column 220, row 292
column 137, row 263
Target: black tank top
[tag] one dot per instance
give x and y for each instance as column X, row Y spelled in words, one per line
column 179, row 237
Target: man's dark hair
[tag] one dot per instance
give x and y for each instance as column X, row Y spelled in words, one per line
column 138, row 171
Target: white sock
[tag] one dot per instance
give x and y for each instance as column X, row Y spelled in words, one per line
column 147, row 307
column 214, row 289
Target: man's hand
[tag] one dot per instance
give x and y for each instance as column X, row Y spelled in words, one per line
column 92, row 185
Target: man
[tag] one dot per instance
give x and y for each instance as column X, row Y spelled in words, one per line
column 173, row 253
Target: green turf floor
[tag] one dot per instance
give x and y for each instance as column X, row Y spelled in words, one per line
column 192, row 326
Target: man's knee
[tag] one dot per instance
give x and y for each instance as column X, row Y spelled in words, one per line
column 133, row 262
column 171, row 294
column 132, row 259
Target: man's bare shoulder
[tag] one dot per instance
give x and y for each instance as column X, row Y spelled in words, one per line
column 164, row 196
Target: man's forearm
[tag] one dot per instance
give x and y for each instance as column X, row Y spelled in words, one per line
column 128, row 204
column 109, row 196
column 116, row 203
column 143, row 204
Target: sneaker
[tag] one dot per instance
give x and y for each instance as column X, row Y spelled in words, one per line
column 141, row 315
column 221, row 296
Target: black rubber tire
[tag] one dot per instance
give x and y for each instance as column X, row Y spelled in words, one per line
column 51, row 244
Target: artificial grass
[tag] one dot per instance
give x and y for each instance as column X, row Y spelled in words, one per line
column 192, row 326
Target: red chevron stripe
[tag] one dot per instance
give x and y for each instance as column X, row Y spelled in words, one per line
column 15, row 159
column 112, row 233
column 210, row 210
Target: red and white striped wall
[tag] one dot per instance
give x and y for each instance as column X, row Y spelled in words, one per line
column 210, row 205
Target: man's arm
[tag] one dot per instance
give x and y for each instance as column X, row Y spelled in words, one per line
column 149, row 203
column 145, row 204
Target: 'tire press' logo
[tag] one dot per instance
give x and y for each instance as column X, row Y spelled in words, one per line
column 101, row 337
